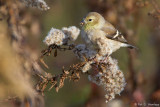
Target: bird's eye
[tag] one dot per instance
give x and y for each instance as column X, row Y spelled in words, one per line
column 90, row 19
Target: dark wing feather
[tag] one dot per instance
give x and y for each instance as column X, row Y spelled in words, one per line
column 120, row 38
column 112, row 33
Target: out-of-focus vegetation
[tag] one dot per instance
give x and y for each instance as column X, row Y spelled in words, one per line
column 138, row 20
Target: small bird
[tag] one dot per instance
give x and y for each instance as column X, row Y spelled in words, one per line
column 101, row 35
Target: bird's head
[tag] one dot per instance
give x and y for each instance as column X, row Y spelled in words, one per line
column 93, row 20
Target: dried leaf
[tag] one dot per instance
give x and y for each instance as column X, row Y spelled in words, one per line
column 42, row 61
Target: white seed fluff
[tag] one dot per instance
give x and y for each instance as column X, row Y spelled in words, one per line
column 82, row 51
column 55, row 36
column 111, row 78
column 72, row 32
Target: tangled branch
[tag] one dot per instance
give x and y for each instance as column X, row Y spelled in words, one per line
column 101, row 70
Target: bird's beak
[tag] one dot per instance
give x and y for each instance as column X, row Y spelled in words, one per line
column 82, row 23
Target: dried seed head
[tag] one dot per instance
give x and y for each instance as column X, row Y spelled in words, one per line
column 55, row 36
column 82, row 51
column 72, row 32
column 112, row 83
column 40, row 4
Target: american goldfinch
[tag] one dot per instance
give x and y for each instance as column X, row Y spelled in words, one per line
column 101, row 35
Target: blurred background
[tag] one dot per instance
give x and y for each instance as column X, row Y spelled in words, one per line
column 22, row 30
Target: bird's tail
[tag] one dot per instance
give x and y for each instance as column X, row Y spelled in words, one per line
column 138, row 51
column 131, row 47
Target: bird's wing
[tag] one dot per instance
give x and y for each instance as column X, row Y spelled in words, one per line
column 112, row 33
